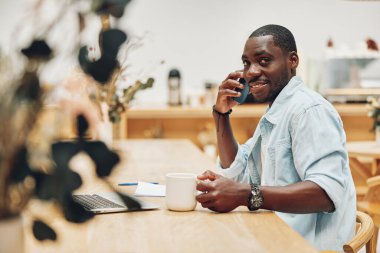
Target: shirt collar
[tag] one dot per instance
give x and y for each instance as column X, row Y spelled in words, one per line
column 274, row 113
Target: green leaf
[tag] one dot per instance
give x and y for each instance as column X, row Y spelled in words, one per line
column 42, row 231
column 39, row 50
column 104, row 158
column 110, row 7
column 63, row 152
column 74, row 212
column 21, row 167
column 29, row 88
column 56, row 185
column 82, row 125
column 102, row 69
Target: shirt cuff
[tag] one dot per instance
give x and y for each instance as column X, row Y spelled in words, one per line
column 236, row 168
column 333, row 189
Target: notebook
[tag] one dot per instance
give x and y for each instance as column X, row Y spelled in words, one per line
column 108, row 203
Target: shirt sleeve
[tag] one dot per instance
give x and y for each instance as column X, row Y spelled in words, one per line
column 237, row 170
column 319, row 151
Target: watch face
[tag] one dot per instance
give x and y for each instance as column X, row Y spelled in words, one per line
column 256, row 199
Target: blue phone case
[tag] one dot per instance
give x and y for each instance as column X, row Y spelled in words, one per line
column 244, row 92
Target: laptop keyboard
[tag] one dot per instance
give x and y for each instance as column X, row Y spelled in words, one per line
column 95, row 201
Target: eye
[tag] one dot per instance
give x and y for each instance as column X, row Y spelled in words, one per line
column 245, row 63
column 264, row 61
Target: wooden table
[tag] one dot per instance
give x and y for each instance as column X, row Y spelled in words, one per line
column 162, row 230
column 364, row 149
column 364, row 163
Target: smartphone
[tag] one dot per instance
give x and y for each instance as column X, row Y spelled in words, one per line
column 244, row 92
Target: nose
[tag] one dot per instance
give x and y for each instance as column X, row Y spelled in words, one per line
column 253, row 71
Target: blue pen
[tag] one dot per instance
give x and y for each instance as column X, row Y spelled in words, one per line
column 133, row 183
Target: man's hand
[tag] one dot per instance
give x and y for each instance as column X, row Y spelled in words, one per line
column 221, row 194
column 224, row 101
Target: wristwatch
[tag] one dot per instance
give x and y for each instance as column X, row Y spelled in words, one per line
column 255, row 199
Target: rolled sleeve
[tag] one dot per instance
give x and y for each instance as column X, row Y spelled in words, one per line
column 331, row 184
column 319, row 152
column 237, row 170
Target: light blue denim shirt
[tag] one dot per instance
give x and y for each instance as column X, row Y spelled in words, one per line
column 304, row 139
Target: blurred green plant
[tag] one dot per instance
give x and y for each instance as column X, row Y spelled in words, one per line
column 374, row 111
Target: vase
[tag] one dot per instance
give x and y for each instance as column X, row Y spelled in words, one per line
column 377, row 134
column 119, row 128
column 108, row 131
column 105, row 128
column 105, row 132
column 11, row 235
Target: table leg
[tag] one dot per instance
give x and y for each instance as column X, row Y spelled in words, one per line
column 359, row 168
column 375, row 167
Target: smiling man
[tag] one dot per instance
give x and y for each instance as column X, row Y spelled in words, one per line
column 296, row 162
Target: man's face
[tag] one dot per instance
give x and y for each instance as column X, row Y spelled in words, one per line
column 267, row 69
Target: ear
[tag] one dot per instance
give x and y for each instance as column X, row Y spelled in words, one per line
column 293, row 60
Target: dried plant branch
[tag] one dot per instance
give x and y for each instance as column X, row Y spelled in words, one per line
column 20, row 115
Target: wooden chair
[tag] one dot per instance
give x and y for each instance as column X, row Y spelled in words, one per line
column 363, row 236
column 371, row 205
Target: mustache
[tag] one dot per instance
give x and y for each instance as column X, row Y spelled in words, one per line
column 258, row 80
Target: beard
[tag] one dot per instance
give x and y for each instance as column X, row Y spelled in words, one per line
column 274, row 88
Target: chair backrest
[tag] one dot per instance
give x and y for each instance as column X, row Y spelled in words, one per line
column 373, row 193
column 363, row 236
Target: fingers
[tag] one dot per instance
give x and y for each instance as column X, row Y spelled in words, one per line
column 213, row 204
column 210, row 205
column 205, row 186
column 230, row 84
column 208, row 194
column 208, row 174
column 229, row 93
column 207, row 199
column 231, row 81
column 235, row 75
column 228, row 90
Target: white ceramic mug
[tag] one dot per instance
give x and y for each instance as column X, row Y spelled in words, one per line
column 181, row 191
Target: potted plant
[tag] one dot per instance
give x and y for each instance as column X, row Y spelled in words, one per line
column 374, row 113
column 28, row 170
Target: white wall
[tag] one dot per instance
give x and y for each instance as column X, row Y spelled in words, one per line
column 205, row 38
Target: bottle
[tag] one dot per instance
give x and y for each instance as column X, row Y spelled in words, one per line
column 174, row 85
column 209, row 96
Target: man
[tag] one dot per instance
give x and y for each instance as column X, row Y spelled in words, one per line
column 296, row 162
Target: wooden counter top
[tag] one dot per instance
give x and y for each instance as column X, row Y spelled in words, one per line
column 152, row 121
column 241, row 111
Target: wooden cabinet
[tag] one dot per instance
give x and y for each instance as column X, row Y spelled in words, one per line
column 191, row 123
column 356, row 121
column 187, row 122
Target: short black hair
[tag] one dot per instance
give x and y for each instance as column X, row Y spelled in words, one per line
column 282, row 37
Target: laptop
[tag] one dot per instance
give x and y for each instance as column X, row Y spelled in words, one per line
column 108, row 202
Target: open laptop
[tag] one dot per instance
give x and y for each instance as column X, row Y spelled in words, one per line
column 108, row 202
